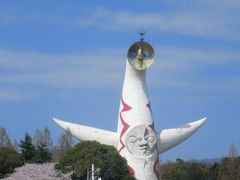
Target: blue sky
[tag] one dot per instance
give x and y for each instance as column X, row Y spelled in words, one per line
column 66, row 59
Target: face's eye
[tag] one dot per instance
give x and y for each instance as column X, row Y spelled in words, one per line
column 150, row 139
column 132, row 139
column 145, row 54
column 133, row 55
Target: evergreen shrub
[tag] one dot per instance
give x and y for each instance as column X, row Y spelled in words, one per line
column 79, row 159
column 9, row 160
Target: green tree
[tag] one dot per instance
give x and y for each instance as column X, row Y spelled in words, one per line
column 79, row 159
column 9, row 160
column 183, row 170
column 229, row 169
column 212, row 171
column 42, row 154
column 27, row 148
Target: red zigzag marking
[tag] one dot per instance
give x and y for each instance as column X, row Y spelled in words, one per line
column 125, row 125
column 155, row 168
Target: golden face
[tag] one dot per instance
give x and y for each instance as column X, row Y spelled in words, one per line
column 140, row 55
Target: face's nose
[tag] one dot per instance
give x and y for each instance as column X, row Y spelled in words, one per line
column 142, row 143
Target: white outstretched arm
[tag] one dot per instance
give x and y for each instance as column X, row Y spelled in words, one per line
column 169, row 138
column 88, row 133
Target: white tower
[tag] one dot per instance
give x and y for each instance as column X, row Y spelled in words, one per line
column 136, row 138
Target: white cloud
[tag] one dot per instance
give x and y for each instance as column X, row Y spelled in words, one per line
column 66, row 70
column 191, row 58
column 15, row 95
column 196, row 70
column 217, row 19
column 202, row 23
column 105, row 68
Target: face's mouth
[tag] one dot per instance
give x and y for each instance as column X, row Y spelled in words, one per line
column 143, row 148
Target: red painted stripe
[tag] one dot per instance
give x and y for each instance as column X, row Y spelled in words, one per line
column 156, row 168
column 125, row 125
column 131, row 171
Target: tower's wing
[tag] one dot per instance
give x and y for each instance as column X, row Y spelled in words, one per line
column 169, row 138
column 88, row 133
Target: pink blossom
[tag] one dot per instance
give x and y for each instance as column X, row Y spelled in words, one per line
column 38, row 172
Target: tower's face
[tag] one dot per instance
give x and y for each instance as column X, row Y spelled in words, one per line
column 141, row 141
column 140, row 55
